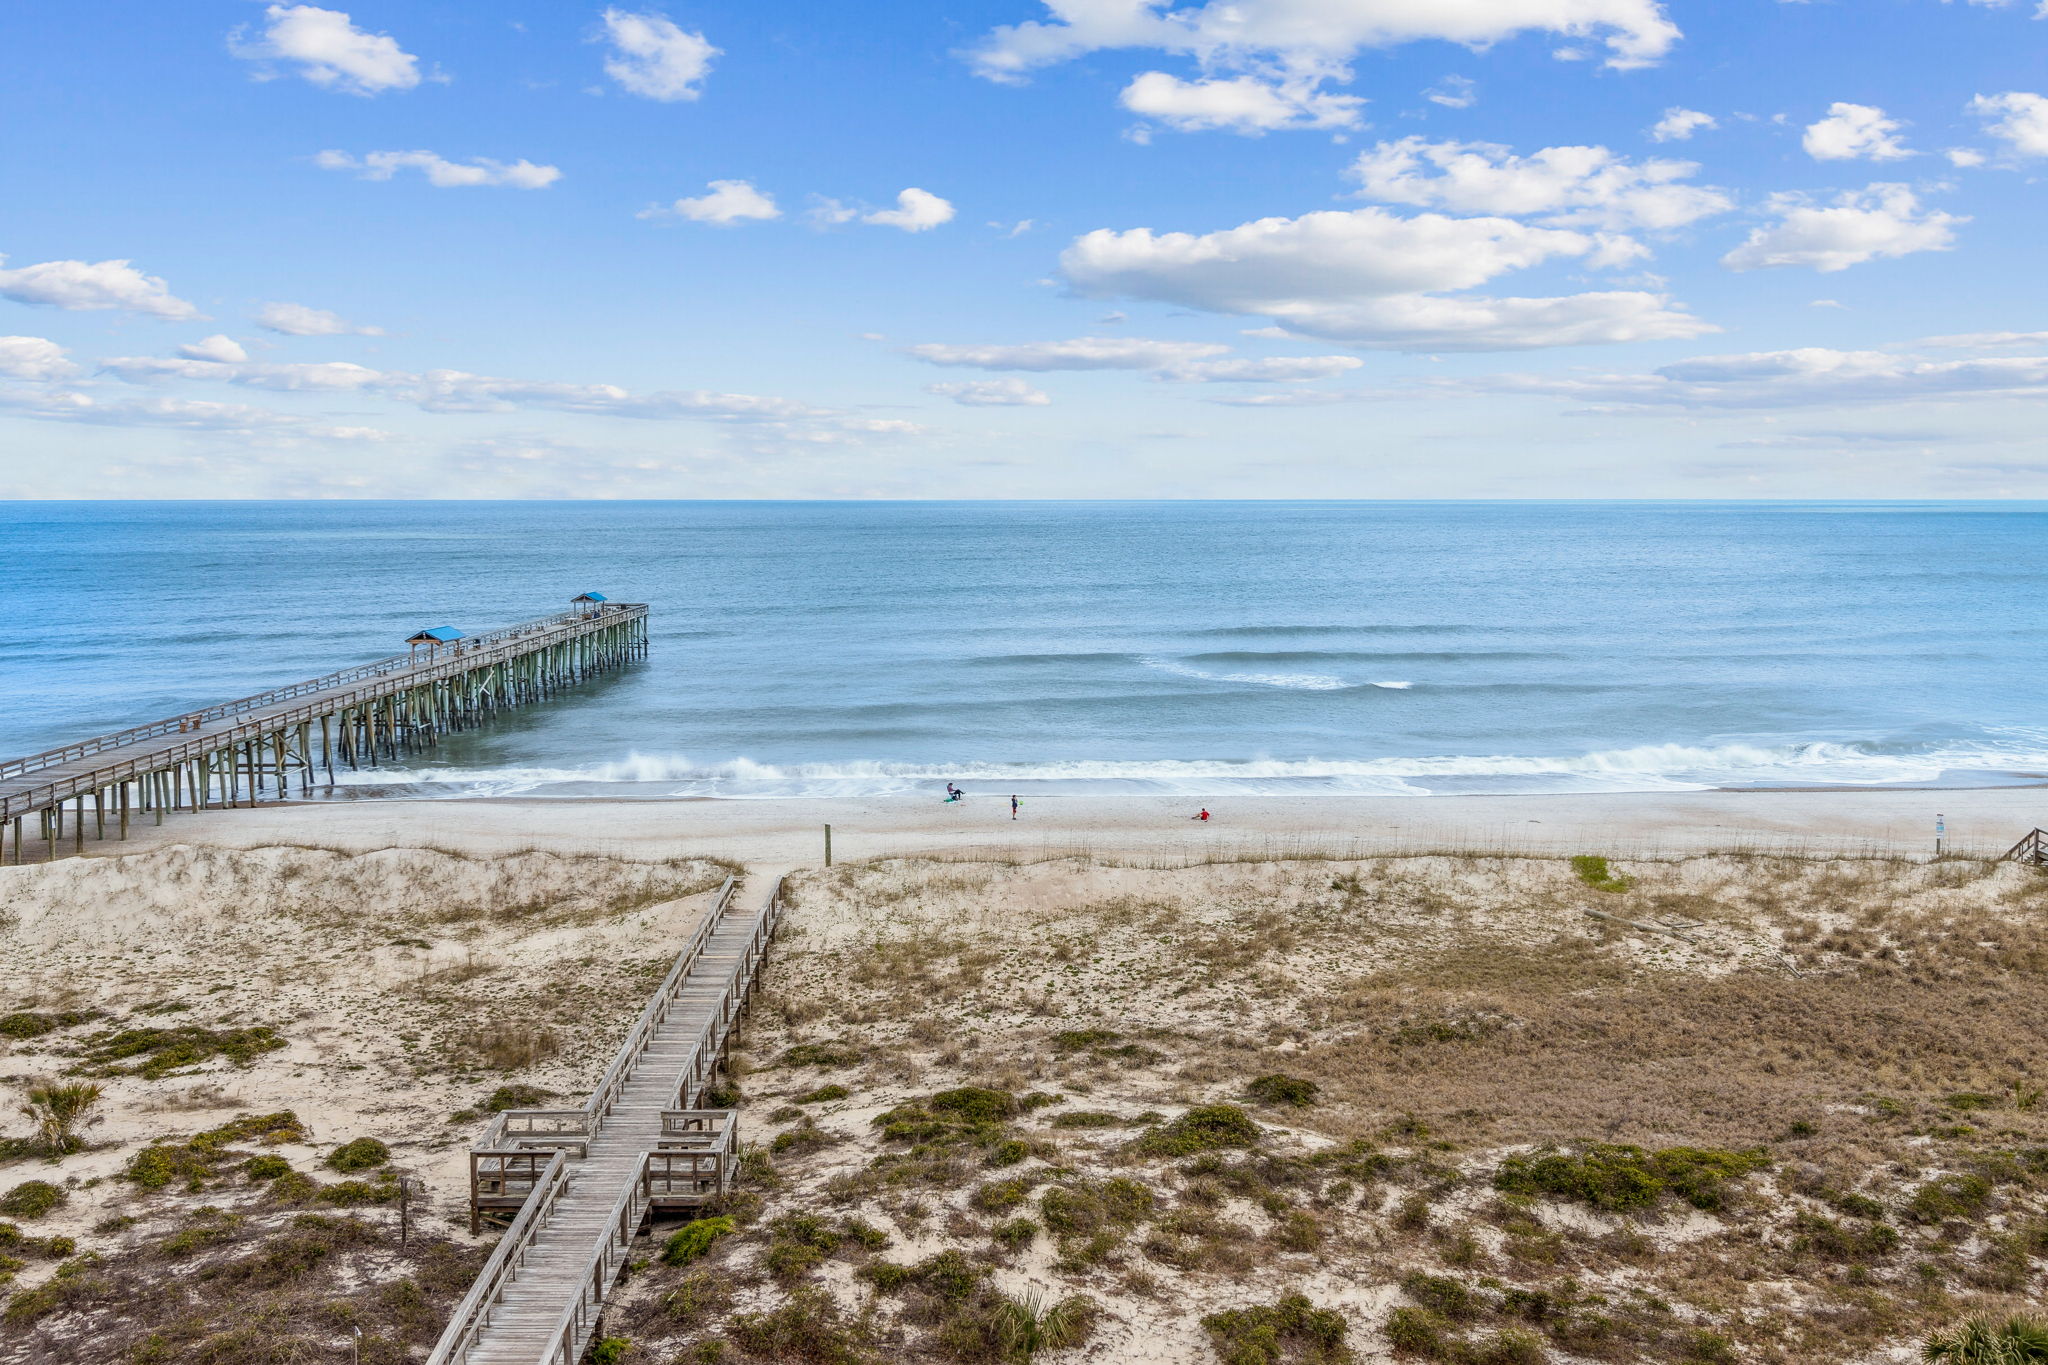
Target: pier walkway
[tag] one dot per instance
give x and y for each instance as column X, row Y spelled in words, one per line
column 578, row 1183
column 253, row 748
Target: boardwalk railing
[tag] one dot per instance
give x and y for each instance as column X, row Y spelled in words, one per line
column 473, row 1314
column 688, row 1159
column 578, row 1323
column 517, row 1129
column 2032, row 849
column 379, row 709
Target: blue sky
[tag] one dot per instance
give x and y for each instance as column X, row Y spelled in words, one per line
column 1104, row 248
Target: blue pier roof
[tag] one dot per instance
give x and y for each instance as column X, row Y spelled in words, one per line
column 590, row 597
column 439, row 635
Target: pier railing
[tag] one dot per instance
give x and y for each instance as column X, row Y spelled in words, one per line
column 131, row 756
column 466, row 654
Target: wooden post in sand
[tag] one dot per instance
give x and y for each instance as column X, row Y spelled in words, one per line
column 828, row 845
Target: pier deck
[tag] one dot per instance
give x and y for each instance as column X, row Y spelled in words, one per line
column 250, row 749
column 583, row 1180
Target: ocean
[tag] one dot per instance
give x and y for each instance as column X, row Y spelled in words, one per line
column 844, row 649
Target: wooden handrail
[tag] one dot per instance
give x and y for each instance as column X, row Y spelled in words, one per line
column 637, row 1038
column 473, row 1313
column 573, row 1329
column 2032, row 849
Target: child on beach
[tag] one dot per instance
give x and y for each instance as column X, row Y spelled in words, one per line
column 1203, row 817
column 1013, row 808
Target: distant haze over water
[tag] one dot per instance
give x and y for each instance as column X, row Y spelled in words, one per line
column 867, row 648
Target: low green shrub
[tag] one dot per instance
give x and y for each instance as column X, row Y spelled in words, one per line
column 1016, row 1234
column 161, row 1052
column 693, row 1240
column 1007, row 1152
column 1594, row 872
column 821, row 1054
column 886, row 1276
column 350, row 1194
column 1950, row 1196
column 996, row 1196
column 1201, row 1129
column 514, row 1097
column 1081, row 1039
column 1265, row 1334
column 824, row 1093
column 31, row 1024
column 1617, row 1177
column 1084, row 1118
column 805, row 1137
column 363, row 1154
column 1835, row 1241
column 32, row 1199
column 1441, row 1295
column 809, row 1326
column 1281, row 1089
column 266, row 1167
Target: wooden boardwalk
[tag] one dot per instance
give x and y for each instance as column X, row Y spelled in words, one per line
column 255, row 748
column 583, row 1180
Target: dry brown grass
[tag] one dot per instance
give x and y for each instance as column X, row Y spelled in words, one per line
column 1871, row 1025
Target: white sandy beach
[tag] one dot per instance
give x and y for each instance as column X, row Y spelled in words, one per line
column 781, row 833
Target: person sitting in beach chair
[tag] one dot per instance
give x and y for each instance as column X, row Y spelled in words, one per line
column 953, row 793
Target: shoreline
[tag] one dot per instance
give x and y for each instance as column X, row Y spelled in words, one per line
column 788, row 831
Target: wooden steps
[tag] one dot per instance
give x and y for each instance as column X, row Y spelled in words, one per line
column 539, row 1299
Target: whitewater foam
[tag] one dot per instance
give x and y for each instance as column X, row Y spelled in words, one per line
column 1653, row 767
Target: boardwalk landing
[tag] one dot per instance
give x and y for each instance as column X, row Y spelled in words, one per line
column 584, row 1179
column 242, row 751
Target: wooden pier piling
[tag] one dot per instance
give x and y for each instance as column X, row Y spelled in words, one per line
column 244, row 751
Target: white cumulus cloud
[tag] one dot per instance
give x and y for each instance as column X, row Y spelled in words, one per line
column 216, row 347
column 916, row 211
column 80, row 286
column 441, row 172
column 325, row 47
column 1453, row 92
column 1081, row 353
column 2017, row 118
column 1881, row 221
column 1282, row 369
column 1373, row 279
column 1565, row 186
column 458, row 391
column 1305, row 36
column 1678, row 125
column 1854, row 132
column 652, row 57
column 1241, row 104
column 729, row 202
column 991, row 393
column 1813, row 376
column 297, row 320
column 33, row 358
column 1983, row 341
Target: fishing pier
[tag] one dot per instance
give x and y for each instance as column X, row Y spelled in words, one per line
column 256, row 748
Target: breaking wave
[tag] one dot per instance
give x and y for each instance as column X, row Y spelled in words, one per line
column 1657, row 767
